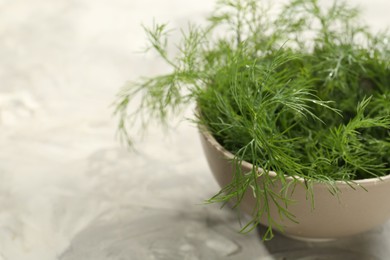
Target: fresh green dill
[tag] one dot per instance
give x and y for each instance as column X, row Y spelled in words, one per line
column 305, row 94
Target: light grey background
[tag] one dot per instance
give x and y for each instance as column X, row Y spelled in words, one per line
column 68, row 190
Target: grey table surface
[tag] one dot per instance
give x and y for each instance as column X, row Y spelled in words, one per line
column 70, row 191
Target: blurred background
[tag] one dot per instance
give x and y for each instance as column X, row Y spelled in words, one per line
column 68, row 189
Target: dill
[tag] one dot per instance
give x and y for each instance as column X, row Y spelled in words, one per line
column 304, row 94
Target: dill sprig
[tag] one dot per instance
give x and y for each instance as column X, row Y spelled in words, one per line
column 304, row 94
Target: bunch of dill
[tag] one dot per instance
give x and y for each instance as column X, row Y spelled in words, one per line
column 305, row 93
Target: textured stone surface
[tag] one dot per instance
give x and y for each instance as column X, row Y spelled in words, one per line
column 67, row 188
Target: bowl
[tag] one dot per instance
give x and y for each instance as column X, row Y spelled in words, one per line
column 352, row 211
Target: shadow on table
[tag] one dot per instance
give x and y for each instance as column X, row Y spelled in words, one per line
column 371, row 245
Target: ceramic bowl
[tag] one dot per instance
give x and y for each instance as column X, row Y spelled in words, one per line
column 353, row 211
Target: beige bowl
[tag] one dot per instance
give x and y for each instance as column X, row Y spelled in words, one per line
column 356, row 210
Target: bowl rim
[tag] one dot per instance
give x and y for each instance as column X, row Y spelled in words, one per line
column 228, row 155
